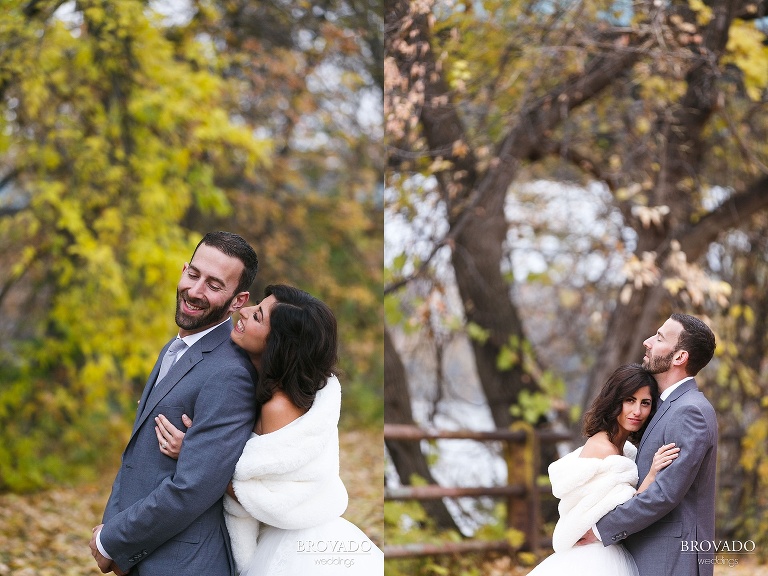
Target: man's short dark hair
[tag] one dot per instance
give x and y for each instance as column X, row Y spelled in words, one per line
column 696, row 339
column 234, row 245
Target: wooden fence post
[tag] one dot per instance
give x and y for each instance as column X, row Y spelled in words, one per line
column 522, row 469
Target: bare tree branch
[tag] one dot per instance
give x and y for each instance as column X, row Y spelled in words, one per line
column 731, row 214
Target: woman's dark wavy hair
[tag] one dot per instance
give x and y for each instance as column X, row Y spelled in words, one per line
column 623, row 383
column 301, row 349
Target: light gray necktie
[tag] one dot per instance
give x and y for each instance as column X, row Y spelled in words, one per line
column 170, row 358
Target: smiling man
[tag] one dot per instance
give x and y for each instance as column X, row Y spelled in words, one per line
column 662, row 526
column 165, row 516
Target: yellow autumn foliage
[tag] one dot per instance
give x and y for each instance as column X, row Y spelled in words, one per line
column 109, row 172
column 126, row 143
column 747, row 50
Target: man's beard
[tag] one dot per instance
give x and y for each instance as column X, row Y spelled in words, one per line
column 658, row 364
column 209, row 317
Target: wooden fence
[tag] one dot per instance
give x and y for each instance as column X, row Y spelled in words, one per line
column 522, row 493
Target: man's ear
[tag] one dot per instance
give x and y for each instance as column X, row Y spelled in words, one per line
column 681, row 357
column 239, row 301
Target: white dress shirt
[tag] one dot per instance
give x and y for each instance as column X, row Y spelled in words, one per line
column 664, row 395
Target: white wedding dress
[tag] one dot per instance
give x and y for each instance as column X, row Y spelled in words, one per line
column 286, row 520
column 334, row 548
column 588, row 488
column 589, row 560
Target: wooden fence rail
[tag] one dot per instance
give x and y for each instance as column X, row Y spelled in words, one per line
column 522, row 494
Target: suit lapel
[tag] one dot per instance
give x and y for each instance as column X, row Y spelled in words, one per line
column 148, row 388
column 154, row 394
column 175, row 374
column 655, row 420
column 666, row 405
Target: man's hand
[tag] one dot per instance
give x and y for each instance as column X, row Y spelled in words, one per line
column 588, row 538
column 105, row 564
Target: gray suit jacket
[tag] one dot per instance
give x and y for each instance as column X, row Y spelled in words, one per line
column 165, row 516
column 658, row 525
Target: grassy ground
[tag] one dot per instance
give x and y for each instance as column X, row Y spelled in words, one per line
column 47, row 534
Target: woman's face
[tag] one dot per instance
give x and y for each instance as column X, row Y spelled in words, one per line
column 635, row 409
column 251, row 330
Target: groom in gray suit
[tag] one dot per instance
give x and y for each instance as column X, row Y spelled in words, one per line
column 165, row 516
column 666, row 526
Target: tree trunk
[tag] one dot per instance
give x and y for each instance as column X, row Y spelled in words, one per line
column 475, row 201
column 648, row 306
column 476, row 259
column 407, row 456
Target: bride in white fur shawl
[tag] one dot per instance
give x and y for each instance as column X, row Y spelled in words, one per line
column 594, row 479
column 283, row 507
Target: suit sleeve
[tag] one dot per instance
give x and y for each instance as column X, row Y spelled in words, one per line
column 691, row 432
column 223, row 420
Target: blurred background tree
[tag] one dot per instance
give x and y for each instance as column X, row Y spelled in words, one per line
column 565, row 176
column 129, row 129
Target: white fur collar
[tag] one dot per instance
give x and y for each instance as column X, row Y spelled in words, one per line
column 288, row 478
column 588, row 488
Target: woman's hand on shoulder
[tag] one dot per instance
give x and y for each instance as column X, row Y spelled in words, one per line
column 279, row 411
column 664, row 457
column 599, row 446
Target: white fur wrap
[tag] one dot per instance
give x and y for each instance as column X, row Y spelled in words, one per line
column 288, row 478
column 589, row 488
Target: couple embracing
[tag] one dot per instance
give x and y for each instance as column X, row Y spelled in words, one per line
column 232, row 466
column 639, row 496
